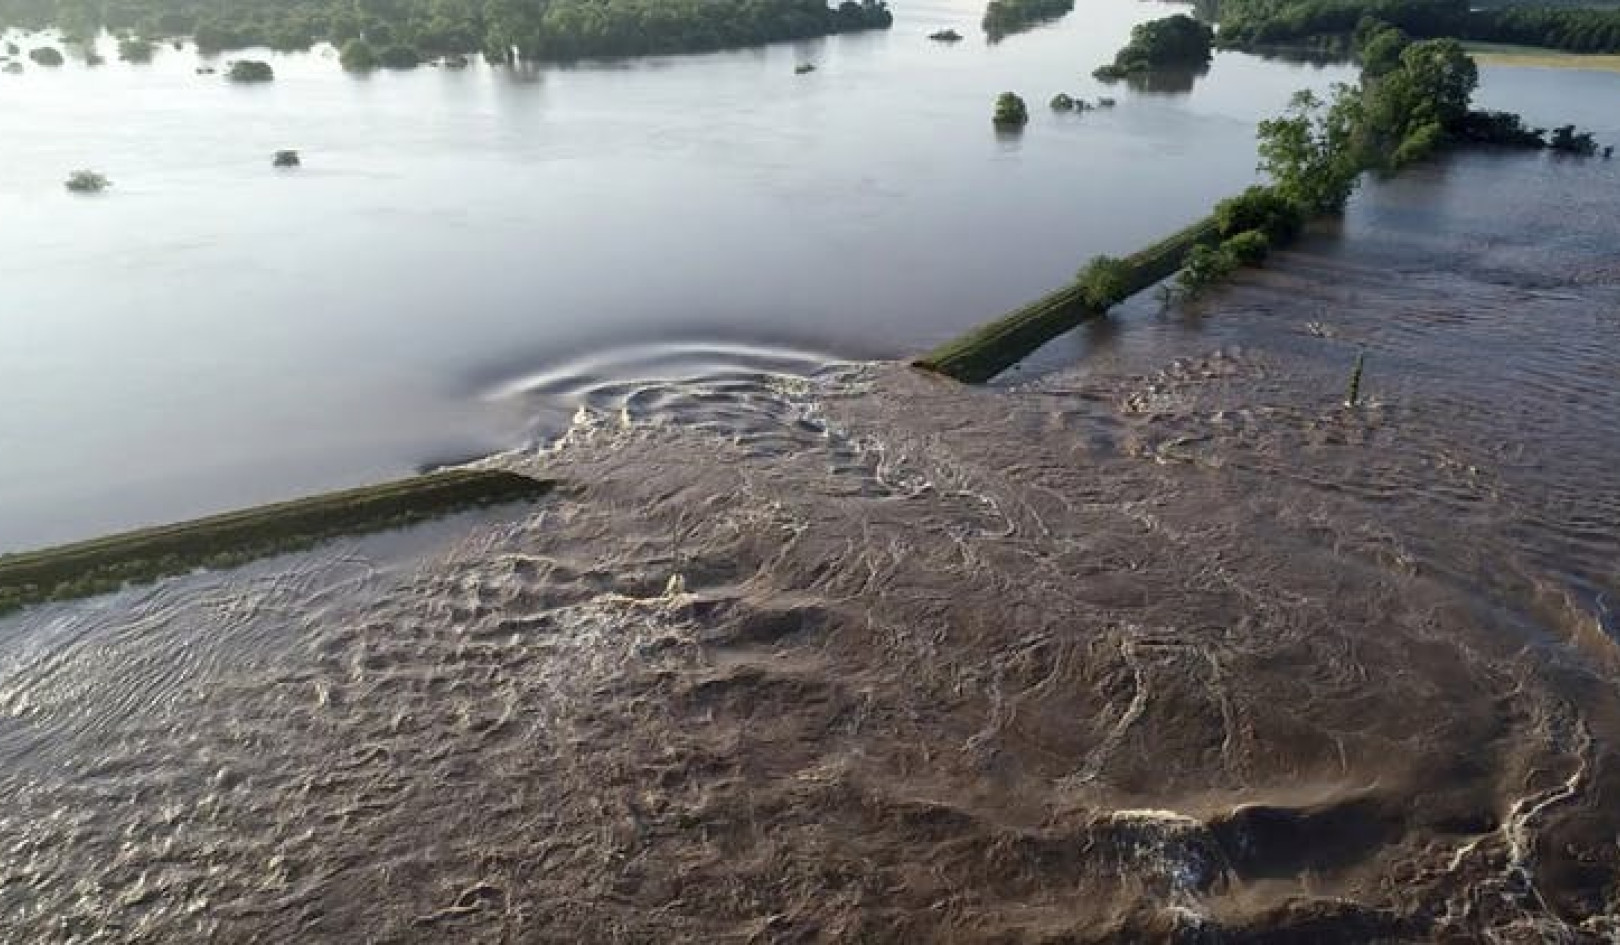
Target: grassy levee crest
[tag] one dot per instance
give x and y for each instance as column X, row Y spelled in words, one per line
column 106, row 564
column 988, row 350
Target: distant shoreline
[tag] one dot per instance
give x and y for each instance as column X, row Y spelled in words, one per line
column 1540, row 57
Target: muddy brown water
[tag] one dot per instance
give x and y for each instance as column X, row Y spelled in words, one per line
column 1157, row 641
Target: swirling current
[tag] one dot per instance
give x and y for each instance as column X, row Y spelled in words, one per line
column 1158, row 641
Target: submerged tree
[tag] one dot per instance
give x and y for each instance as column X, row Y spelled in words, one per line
column 135, row 49
column 250, row 70
column 87, row 182
column 1011, row 113
column 1311, row 152
column 399, row 56
column 1411, row 109
column 1566, row 138
column 358, row 56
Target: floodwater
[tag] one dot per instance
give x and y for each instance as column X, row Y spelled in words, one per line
column 1157, row 641
column 463, row 252
column 1152, row 641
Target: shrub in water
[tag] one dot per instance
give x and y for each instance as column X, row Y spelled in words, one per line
column 1248, row 248
column 87, row 182
column 1103, row 282
column 1205, row 266
column 1263, row 209
column 135, row 50
column 358, row 56
column 1011, row 112
column 399, row 56
column 250, row 70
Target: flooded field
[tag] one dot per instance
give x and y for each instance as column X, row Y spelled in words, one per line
column 1157, row 641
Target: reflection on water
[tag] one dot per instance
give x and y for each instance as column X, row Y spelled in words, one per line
column 1162, row 644
column 1165, row 81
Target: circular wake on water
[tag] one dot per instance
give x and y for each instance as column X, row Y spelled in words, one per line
column 1169, row 646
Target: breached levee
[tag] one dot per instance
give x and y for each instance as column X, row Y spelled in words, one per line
column 988, row 350
column 105, row 564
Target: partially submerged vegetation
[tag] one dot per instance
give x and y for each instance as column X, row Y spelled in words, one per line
column 945, row 36
column 46, row 56
column 87, row 182
column 107, row 564
column 1011, row 113
column 1005, row 17
column 136, row 49
column 504, row 30
column 1064, row 102
column 250, row 70
column 358, row 55
column 1414, row 98
column 1352, row 394
column 1173, row 42
column 1506, row 128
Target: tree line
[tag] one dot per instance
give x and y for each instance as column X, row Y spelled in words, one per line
column 1570, row 29
column 505, row 30
column 1318, row 23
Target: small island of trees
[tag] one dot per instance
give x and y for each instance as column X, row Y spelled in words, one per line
column 1176, row 42
column 87, row 182
column 46, row 56
column 1011, row 114
column 1005, row 17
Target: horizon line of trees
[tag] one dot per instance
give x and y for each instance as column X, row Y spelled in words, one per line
column 1329, row 23
column 505, row 30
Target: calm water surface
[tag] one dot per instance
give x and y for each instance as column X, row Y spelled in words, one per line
column 464, row 253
